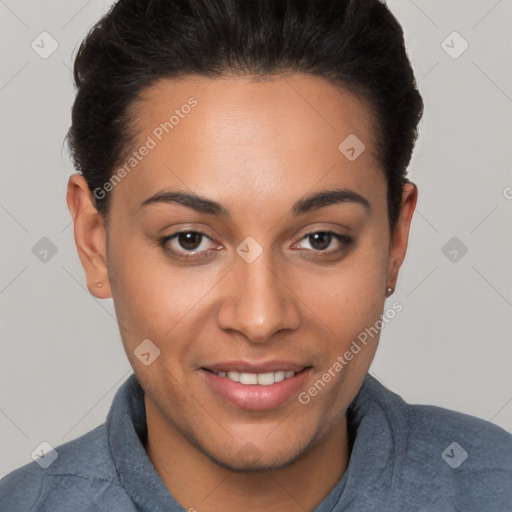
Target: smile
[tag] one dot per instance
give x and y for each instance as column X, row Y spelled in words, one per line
column 262, row 379
column 255, row 391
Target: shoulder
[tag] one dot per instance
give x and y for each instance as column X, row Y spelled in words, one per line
column 457, row 438
column 457, row 459
column 83, row 473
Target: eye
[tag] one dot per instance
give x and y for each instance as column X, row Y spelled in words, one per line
column 320, row 241
column 187, row 244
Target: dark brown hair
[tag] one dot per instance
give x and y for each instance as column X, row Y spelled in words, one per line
column 355, row 44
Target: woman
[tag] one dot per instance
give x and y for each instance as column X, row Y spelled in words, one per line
column 242, row 196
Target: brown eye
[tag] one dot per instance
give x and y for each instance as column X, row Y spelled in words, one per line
column 324, row 245
column 189, row 245
column 320, row 240
column 189, row 240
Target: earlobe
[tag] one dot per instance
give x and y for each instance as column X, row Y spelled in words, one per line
column 90, row 236
column 400, row 235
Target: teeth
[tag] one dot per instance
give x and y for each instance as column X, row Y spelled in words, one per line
column 234, row 376
column 248, row 378
column 279, row 376
column 266, row 379
column 263, row 379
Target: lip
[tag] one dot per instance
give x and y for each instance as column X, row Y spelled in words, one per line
column 254, row 397
column 255, row 367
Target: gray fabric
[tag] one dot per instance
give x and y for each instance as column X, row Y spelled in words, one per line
column 396, row 463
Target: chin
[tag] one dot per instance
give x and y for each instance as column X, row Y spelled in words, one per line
column 250, row 459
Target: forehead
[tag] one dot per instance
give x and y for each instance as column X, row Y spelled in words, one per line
column 240, row 138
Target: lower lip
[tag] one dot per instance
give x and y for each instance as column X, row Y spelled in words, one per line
column 255, row 397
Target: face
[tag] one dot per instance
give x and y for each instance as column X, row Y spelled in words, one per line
column 250, row 274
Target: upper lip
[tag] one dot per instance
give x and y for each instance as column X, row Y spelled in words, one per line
column 255, row 367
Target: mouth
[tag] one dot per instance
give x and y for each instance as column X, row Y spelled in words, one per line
column 255, row 387
column 260, row 379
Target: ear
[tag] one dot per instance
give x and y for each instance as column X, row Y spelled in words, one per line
column 90, row 236
column 400, row 234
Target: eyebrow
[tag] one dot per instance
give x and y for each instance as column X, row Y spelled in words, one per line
column 309, row 203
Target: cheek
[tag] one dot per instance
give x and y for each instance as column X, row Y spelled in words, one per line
column 153, row 298
column 350, row 303
column 351, row 297
column 146, row 297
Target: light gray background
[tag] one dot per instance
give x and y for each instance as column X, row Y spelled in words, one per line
column 61, row 354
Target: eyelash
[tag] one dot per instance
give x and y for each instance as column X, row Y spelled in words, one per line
column 345, row 241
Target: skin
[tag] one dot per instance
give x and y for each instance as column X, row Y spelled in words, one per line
column 256, row 147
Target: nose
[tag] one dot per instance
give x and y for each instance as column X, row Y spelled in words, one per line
column 257, row 301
